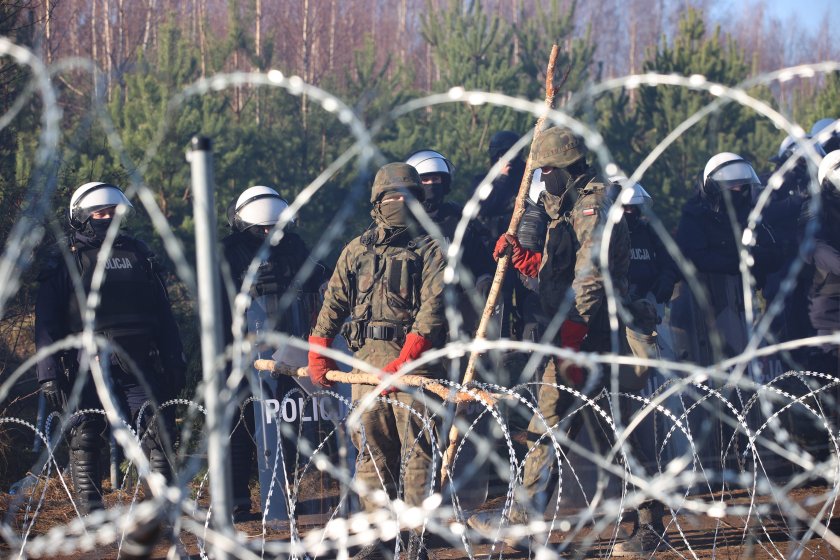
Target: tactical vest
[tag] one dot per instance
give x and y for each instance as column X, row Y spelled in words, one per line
column 274, row 280
column 127, row 293
column 385, row 292
column 274, row 275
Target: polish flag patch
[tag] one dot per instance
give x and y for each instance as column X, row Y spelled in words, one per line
column 588, row 212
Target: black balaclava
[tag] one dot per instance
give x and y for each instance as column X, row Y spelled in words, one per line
column 434, row 193
column 632, row 215
column 98, row 228
column 557, row 181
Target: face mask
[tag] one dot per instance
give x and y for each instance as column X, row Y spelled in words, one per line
column 432, row 197
column 99, row 228
column 742, row 199
column 632, row 218
column 557, row 181
column 395, row 213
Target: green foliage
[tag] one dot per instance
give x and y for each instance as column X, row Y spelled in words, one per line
column 826, row 104
column 633, row 132
column 536, row 35
column 473, row 50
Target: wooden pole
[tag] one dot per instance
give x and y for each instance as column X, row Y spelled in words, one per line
column 442, row 391
column 504, row 260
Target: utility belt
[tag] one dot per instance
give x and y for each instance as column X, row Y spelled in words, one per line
column 357, row 332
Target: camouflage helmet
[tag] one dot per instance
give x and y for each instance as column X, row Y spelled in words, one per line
column 557, row 147
column 395, row 177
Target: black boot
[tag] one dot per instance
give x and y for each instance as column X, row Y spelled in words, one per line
column 87, row 479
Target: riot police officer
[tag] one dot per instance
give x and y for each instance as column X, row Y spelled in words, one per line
column 827, row 134
column 133, row 312
column 252, row 217
column 494, row 217
column 781, row 215
column 652, row 273
column 706, row 236
column 824, row 304
column 436, row 174
column 389, row 283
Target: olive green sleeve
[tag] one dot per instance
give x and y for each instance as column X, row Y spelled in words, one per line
column 588, row 285
column 430, row 319
column 588, row 219
column 336, row 306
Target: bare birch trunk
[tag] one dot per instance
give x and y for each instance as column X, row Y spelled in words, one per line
column 202, row 35
column 305, row 61
column 331, row 61
column 47, row 31
column 109, row 48
column 147, row 31
column 258, row 52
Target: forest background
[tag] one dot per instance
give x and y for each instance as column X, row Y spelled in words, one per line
column 374, row 55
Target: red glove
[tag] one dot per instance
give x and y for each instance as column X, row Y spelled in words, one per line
column 524, row 260
column 412, row 348
column 319, row 364
column 572, row 334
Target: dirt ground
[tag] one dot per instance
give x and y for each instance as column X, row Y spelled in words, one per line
column 727, row 537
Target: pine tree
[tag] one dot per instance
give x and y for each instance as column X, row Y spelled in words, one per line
column 732, row 127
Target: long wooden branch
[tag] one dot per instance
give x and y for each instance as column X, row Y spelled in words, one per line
column 504, row 260
column 442, row 391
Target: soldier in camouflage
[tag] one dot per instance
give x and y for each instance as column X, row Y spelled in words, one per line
column 577, row 201
column 389, row 283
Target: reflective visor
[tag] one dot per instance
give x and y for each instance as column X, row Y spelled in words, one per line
column 734, row 174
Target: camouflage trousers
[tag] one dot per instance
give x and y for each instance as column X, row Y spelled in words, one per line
column 555, row 404
column 397, row 447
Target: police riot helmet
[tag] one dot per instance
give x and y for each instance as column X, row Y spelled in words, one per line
column 92, row 197
column 537, row 186
column 728, row 171
column 788, row 146
column 639, row 197
column 829, row 171
column 557, row 147
column 427, row 162
column 827, row 134
column 501, row 142
column 396, row 177
column 257, row 206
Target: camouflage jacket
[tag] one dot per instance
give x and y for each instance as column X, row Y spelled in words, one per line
column 380, row 281
column 572, row 246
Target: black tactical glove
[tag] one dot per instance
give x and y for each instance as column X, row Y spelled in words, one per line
column 55, row 395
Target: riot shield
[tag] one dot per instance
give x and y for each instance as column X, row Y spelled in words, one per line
column 294, row 426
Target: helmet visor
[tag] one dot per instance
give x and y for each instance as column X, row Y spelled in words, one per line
column 98, row 199
column 735, row 174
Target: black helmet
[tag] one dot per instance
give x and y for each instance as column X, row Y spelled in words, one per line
column 501, row 142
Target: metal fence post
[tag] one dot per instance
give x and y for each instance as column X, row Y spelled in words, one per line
column 209, row 307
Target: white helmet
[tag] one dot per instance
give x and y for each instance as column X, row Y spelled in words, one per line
column 537, row 186
column 639, row 196
column 830, row 169
column 430, row 161
column 257, row 206
column 789, row 145
column 728, row 171
column 91, row 197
